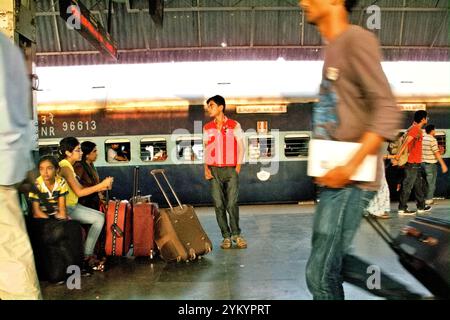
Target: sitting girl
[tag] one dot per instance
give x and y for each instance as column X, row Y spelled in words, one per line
column 56, row 241
column 48, row 199
column 70, row 152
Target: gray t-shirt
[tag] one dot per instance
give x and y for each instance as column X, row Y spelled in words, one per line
column 355, row 96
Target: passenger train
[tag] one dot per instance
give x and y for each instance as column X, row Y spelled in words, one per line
column 164, row 128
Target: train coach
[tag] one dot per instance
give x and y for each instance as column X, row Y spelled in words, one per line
column 276, row 148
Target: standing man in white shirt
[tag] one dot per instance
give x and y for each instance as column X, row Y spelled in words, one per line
column 430, row 156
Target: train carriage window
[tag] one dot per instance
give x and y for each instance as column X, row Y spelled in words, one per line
column 153, row 149
column 189, row 148
column 117, row 150
column 48, row 148
column 441, row 140
column 261, row 147
column 296, row 145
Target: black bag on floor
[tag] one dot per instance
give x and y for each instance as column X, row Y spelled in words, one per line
column 422, row 248
column 57, row 244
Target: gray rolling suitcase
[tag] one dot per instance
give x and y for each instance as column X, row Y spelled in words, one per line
column 178, row 232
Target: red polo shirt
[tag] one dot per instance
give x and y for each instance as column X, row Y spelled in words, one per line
column 415, row 146
column 221, row 145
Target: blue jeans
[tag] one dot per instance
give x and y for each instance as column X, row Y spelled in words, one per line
column 90, row 216
column 225, row 193
column 430, row 177
column 336, row 220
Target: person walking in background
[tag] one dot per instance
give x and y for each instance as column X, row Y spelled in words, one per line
column 18, row 277
column 430, row 156
column 413, row 168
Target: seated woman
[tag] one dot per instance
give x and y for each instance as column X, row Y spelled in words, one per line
column 88, row 176
column 56, row 241
column 70, row 152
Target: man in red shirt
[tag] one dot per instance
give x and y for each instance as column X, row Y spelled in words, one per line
column 224, row 152
column 413, row 176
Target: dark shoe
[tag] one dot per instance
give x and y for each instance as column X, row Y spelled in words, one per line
column 406, row 212
column 86, row 271
column 426, row 209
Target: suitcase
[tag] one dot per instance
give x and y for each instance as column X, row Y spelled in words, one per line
column 118, row 228
column 143, row 221
column 422, row 248
column 178, row 232
column 143, row 229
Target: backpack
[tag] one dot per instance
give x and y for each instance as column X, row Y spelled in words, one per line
column 395, row 146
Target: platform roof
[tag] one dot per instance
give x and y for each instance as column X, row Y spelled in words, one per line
column 209, row 30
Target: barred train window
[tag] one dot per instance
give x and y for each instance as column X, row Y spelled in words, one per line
column 261, row 147
column 296, row 145
column 441, row 139
column 48, row 148
column 117, row 150
column 189, row 148
column 153, row 149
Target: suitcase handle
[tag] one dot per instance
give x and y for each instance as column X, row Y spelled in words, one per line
column 154, row 172
column 116, row 229
column 381, row 231
column 135, row 181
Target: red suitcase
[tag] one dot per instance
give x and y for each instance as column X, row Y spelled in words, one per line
column 118, row 228
column 178, row 232
column 143, row 231
column 143, row 214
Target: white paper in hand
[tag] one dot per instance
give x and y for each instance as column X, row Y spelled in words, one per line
column 324, row 155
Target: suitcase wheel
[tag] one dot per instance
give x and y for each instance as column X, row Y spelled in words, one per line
column 192, row 254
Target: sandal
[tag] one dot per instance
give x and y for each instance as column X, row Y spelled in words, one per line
column 95, row 264
column 385, row 215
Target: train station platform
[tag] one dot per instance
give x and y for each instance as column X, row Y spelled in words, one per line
column 272, row 268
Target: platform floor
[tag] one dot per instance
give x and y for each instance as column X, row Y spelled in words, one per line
column 272, row 268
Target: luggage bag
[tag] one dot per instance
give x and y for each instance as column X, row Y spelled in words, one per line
column 118, row 228
column 57, row 244
column 143, row 221
column 422, row 248
column 178, row 232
